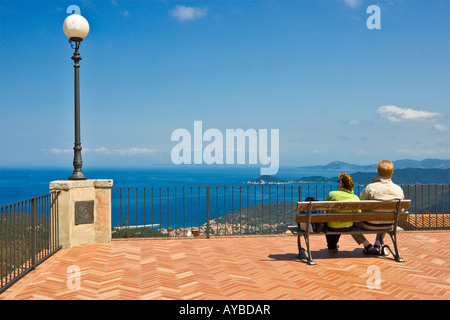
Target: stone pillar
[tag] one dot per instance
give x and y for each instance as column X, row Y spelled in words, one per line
column 84, row 211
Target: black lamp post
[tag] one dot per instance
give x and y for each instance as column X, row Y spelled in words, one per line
column 76, row 29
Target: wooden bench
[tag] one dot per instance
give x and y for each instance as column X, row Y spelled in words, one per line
column 371, row 210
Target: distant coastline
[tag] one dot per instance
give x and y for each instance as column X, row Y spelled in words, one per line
column 18, row 184
column 401, row 176
column 428, row 171
column 398, row 164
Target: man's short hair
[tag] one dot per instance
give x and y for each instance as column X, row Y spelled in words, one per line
column 385, row 169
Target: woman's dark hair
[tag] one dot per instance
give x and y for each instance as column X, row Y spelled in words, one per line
column 347, row 181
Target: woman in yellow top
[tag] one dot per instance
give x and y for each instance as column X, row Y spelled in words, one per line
column 344, row 193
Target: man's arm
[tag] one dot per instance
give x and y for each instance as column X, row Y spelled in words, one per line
column 364, row 195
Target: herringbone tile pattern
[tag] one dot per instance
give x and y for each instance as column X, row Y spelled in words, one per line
column 241, row 268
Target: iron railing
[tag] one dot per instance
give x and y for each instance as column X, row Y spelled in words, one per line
column 218, row 210
column 28, row 236
column 430, row 206
column 245, row 210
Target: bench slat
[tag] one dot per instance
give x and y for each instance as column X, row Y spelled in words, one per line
column 353, row 205
column 297, row 230
column 342, row 217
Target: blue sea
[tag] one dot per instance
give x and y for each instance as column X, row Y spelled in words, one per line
column 18, row 184
column 22, row 183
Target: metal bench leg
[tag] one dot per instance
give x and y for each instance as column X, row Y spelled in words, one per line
column 308, row 253
column 299, row 245
column 302, row 254
column 394, row 241
column 383, row 250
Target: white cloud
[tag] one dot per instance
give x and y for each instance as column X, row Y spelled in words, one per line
column 123, row 13
column 423, row 152
column 87, row 3
column 397, row 114
column 125, row 151
column 440, row 127
column 101, row 150
column 134, row 151
column 60, row 151
column 352, row 3
column 182, row 13
column 354, row 122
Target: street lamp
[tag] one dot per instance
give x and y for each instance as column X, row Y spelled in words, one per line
column 76, row 29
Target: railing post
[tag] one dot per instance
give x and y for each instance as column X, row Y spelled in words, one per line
column 207, row 212
column 33, row 233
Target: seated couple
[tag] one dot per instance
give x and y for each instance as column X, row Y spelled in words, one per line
column 382, row 188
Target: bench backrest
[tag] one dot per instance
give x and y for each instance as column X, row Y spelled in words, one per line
column 370, row 210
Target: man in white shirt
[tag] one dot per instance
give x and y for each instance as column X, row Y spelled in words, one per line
column 382, row 189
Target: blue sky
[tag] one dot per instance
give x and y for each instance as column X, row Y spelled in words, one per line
column 335, row 89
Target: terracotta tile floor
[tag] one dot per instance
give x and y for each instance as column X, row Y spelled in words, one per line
column 241, row 268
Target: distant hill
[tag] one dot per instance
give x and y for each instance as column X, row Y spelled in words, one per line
column 422, row 164
column 409, row 176
column 398, row 164
column 343, row 166
column 401, row 176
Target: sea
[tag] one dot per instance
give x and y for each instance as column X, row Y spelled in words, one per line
column 17, row 184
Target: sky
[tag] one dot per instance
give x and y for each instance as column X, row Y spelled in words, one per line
column 334, row 88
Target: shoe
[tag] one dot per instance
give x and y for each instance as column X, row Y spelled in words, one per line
column 366, row 249
column 371, row 250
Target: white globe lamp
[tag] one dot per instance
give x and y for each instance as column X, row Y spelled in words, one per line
column 76, row 27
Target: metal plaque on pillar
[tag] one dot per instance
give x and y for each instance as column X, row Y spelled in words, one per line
column 84, row 212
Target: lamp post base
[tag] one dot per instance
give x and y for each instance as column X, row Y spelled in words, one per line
column 77, row 175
